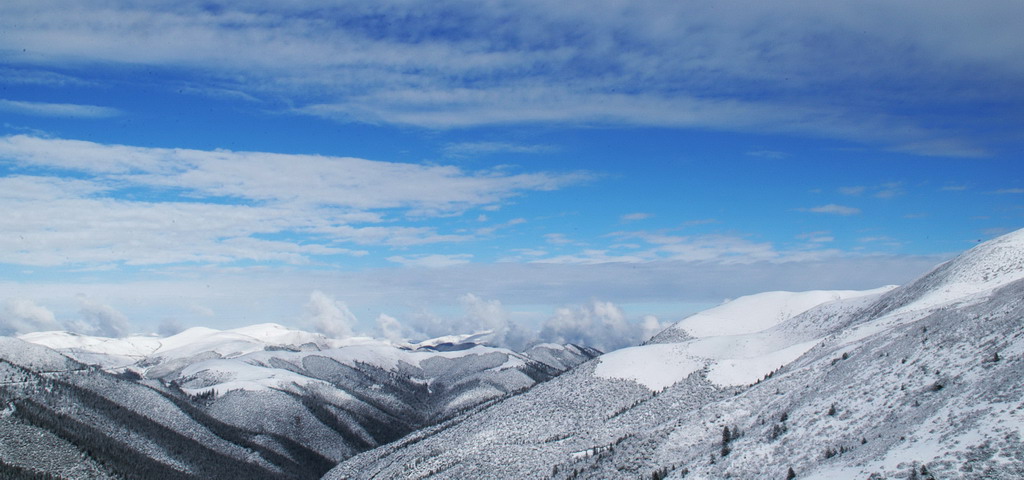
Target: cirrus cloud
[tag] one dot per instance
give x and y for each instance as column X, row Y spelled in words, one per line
column 657, row 63
column 142, row 206
column 833, row 209
column 58, row 109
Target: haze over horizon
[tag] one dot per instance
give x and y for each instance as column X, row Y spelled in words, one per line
column 456, row 166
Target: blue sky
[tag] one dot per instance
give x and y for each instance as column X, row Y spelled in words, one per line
column 472, row 164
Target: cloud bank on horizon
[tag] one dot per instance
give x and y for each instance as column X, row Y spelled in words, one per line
column 569, row 172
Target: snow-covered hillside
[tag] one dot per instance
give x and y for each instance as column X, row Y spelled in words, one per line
column 738, row 342
column 263, row 401
column 920, row 381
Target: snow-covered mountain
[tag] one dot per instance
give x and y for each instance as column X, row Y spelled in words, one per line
column 262, row 401
column 920, row 381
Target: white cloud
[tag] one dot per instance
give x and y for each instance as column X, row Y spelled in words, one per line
column 885, row 190
column 769, row 154
column 20, row 315
column 202, row 311
column 479, row 315
column 833, row 209
column 889, row 190
column 557, row 239
column 169, row 327
column 247, row 296
column 390, row 328
column 630, row 217
column 471, row 149
column 881, row 240
column 529, row 61
column 593, row 256
column 494, row 228
column 651, row 326
column 20, row 76
column 306, row 180
column 601, row 325
column 726, row 249
column 100, row 319
column 178, row 212
column 484, row 314
column 817, row 237
column 329, row 316
column 431, row 260
column 58, row 109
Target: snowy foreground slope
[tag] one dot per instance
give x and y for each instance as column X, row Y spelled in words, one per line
column 921, row 381
column 257, row 402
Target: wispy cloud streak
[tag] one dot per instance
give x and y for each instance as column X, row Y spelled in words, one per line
column 222, row 206
column 680, row 64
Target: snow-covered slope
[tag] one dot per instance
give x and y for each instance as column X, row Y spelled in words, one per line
column 738, row 343
column 925, row 378
column 755, row 313
column 285, row 403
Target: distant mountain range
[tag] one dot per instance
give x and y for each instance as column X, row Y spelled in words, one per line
column 257, row 402
column 924, row 380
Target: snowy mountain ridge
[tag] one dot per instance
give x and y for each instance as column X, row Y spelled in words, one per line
column 919, row 381
column 283, row 402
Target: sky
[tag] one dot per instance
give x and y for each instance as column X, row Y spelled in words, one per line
column 582, row 172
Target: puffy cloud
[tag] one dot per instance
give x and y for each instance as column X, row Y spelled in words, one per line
column 21, row 315
column 601, row 325
column 651, row 326
column 518, row 285
column 390, row 328
column 482, row 314
column 169, row 327
column 100, row 319
column 479, row 315
column 329, row 316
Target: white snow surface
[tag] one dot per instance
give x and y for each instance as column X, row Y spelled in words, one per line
column 134, row 346
column 738, row 341
column 747, row 370
column 876, row 384
column 754, row 313
column 975, row 273
column 231, row 374
column 654, row 366
column 243, row 358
